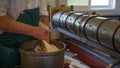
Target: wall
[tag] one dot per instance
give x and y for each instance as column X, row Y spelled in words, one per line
column 112, row 12
column 100, row 12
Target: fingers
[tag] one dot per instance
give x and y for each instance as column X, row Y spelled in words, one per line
column 44, row 38
column 41, row 33
column 46, row 32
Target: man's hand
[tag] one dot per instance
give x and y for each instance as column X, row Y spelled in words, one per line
column 40, row 33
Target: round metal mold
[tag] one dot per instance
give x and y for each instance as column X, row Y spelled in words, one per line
column 63, row 19
column 106, row 33
column 71, row 20
column 56, row 17
column 91, row 27
column 83, row 23
column 117, row 39
column 77, row 24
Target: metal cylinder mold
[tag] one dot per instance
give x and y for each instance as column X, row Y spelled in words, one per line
column 117, row 39
column 71, row 20
column 91, row 27
column 106, row 32
column 56, row 17
column 83, row 23
column 63, row 19
column 77, row 24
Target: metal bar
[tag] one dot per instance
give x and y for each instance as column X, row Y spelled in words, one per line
column 86, row 58
column 103, row 58
column 90, row 43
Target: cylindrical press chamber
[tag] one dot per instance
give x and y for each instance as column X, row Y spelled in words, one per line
column 102, row 30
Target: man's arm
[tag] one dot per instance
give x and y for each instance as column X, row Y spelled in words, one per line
column 10, row 25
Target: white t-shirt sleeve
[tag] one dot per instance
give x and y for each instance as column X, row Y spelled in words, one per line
column 3, row 7
column 3, row 10
column 43, row 7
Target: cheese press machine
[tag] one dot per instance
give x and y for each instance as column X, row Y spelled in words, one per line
column 93, row 39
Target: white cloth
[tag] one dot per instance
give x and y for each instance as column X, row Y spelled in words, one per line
column 13, row 8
